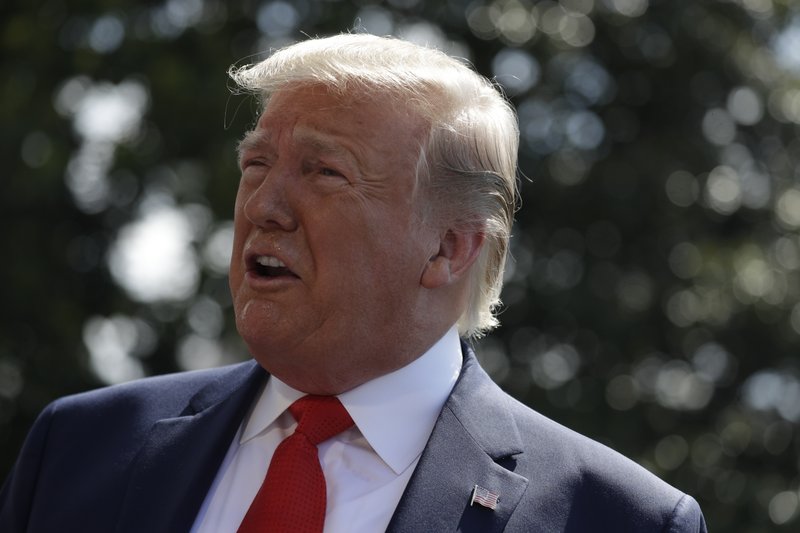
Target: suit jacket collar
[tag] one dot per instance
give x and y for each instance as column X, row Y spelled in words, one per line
column 177, row 464
column 474, row 442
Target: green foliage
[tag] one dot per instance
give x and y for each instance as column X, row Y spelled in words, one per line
column 654, row 299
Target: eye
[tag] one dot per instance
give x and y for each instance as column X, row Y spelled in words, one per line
column 252, row 163
column 327, row 171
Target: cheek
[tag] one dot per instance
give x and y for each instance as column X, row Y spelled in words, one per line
column 236, row 269
column 366, row 249
column 382, row 265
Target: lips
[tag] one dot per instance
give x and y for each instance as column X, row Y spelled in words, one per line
column 268, row 266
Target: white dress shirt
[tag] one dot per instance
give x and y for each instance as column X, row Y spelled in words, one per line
column 366, row 467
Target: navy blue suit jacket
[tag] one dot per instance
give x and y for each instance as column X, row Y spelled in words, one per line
column 140, row 457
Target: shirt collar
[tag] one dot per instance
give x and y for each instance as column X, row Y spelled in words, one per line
column 395, row 412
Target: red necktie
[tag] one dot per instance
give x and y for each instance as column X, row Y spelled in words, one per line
column 292, row 497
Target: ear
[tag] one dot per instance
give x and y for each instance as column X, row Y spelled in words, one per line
column 457, row 251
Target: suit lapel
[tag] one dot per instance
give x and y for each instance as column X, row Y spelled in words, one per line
column 474, row 442
column 174, row 470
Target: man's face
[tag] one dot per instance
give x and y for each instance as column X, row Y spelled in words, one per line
column 329, row 246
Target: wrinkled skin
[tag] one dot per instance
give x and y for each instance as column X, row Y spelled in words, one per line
column 328, row 189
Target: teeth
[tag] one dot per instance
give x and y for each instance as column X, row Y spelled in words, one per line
column 269, row 261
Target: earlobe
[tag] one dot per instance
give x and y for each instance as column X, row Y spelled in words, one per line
column 457, row 251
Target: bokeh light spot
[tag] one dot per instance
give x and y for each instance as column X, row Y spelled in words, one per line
column 584, row 7
column 205, row 317
column 115, row 345
column 539, row 126
column 585, row 130
column 723, row 190
column 217, row 248
column 589, row 81
column 787, row 253
column 11, row 379
column 555, row 366
column 277, row 19
column 516, row 70
column 712, row 362
column 106, row 34
column 679, row 387
column 754, row 275
column 628, row 8
column 111, row 112
column 783, row 507
column 568, row 167
column 375, row 20
column 685, row 260
column 786, row 45
column 480, row 22
column 514, row 23
column 719, row 127
column 153, row 259
column 745, row 106
column 671, row 452
column 682, row 188
column 787, row 208
column 196, row 352
column 577, row 30
column 773, row 390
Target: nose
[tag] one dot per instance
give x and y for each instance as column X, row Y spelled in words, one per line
column 270, row 205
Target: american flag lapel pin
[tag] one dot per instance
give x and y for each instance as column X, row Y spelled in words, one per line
column 484, row 497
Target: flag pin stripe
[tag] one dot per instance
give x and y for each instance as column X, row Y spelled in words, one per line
column 484, row 497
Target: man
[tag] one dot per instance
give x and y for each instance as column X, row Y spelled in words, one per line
column 371, row 224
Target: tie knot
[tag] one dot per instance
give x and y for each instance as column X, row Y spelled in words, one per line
column 320, row 417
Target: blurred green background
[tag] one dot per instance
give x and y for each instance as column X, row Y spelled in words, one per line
column 654, row 298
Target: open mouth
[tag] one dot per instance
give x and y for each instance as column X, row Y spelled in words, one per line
column 270, row 267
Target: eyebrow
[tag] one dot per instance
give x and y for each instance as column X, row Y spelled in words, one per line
column 252, row 140
column 255, row 140
column 321, row 144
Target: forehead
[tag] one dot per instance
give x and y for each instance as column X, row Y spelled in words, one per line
column 330, row 121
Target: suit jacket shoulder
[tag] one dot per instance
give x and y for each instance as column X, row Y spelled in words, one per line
column 546, row 477
column 133, row 457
